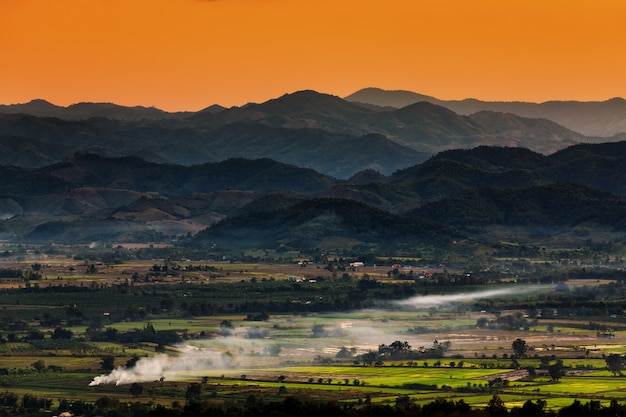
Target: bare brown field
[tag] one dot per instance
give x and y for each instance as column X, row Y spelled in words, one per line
column 63, row 268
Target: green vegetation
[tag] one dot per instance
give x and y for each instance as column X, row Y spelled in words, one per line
column 166, row 335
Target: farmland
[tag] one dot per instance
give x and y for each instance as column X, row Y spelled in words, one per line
column 143, row 333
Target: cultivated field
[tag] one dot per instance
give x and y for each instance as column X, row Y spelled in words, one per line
column 316, row 355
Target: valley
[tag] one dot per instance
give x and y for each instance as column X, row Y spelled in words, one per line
column 309, row 252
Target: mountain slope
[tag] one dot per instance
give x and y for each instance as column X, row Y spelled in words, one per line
column 599, row 166
column 553, row 205
column 389, row 98
column 133, row 173
column 339, row 155
column 79, row 111
column 305, row 128
column 319, row 222
column 594, row 118
column 491, row 193
column 541, row 135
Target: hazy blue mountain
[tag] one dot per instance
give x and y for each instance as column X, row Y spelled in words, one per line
column 488, row 192
column 423, row 127
column 309, row 223
column 592, row 118
column 541, row 135
column 551, row 205
column 193, row 142
column 79, row 111
column 305, row 128
column 389, row 98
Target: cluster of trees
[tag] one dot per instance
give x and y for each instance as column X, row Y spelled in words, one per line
column 403, row 407
column 615, row 363
column 33, row 274
column 508, row 322
column 147, row 334
column 343, row 293
column 399, row 350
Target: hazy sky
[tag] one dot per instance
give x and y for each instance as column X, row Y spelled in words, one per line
column 189, row 54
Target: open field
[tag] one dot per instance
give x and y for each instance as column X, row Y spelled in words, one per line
column 238, row 345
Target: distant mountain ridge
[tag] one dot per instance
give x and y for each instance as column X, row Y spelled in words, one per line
column 85, row 110
column 593, row 118
column 305, row 128
column 590, row 118
column 311, row 170
column 455, row 195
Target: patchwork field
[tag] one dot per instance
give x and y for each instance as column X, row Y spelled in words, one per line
column 320, row 355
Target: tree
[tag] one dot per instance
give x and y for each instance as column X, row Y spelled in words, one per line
column 396, row 350
column 532, row 409
column 496, row 407
column 318, row 330
column 136, row 389
column 272, row 350
column 403, row 401
column 39, row 365
column 614, row 363
column 556, row 370
column 369, row 357
column 482, row 322
column 60, row 333
column 519, row 347
column 107, row 362
column 343, row 353
column 35, row 335
column 130, row 363
column 194, row 390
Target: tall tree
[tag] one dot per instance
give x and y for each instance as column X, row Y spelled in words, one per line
column 615, row 363
column 556, row 370
column 519, row 348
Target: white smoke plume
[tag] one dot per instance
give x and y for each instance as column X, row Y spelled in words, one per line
column 427, row 301
column 364, row 328
column 164, row 366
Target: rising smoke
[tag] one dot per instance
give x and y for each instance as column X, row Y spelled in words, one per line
column 165, row 367
column 356, row 328
column 427, row 301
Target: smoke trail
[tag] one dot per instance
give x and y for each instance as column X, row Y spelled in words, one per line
column 164, row 366
column 363, row 328
column 426, row 301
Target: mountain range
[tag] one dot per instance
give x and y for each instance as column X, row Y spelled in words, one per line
column 591, row 118
column 308, row 170
column 334, row 136
column 480, row 194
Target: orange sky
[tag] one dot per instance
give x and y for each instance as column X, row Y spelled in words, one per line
column 189, row 54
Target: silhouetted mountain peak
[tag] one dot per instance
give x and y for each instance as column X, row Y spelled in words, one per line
column 40, row 103
column 591, row 118
column 424, row 108
column 495, row 156
column 36, row 106
column 92, row 158
column 308, row 101
column 367, row 176
column 388, row 98
column 213, row 109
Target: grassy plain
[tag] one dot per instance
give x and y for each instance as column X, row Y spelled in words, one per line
column 307, row 364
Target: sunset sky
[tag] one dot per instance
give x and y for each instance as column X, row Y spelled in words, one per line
column 189, row 54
